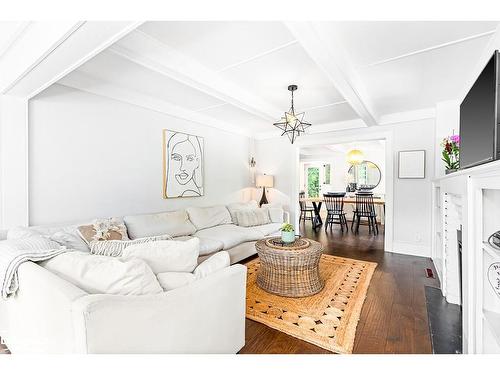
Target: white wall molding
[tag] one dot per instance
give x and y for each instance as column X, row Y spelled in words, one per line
column 407, row 116
column 152, row 54
column 409, row 248
column 81, row 81
column 332, row 59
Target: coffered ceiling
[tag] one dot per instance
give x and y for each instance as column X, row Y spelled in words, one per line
column 234, row 75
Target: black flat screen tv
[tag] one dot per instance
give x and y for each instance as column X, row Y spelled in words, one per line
column 479, row 135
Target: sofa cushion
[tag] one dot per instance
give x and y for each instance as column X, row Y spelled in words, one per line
column 114, row 248
column 174, row 280
column 167, row 256
column 268, row 229
column 207, row 245
column 174, row 223
column 230, row 235
column 213, row 264
column 103, row 230
column 276, row 212
column 233, row 207
column 98, row 274
column 208, row 217
column 252, row 217
column 18, row 233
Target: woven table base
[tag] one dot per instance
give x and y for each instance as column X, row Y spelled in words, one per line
column 327, row 319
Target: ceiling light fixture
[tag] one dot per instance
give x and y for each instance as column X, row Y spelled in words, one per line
column 292, row 124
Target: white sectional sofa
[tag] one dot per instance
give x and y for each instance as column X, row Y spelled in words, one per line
column 51, row 315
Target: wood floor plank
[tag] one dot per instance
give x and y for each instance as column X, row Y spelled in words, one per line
column 394, row 315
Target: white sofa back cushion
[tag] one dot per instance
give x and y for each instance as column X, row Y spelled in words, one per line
column 253, row 217
column 114, row 248
column 215, row 263
column 174, row 280
column 62, row 237
column 276, row 212
column 174, row 223
column 167, row 256
column 233, row 207
column 207, row 217
column 97, row 274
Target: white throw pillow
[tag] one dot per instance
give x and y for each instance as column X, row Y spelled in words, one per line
column 114, row 248
column 276, row 212
column 233, row 207
column 214, row 263
column 71, row 241
column 173, row 280
column 252, row 218
column 174, row 223
column 97, row 274
column 167, row 256
column 207, row 217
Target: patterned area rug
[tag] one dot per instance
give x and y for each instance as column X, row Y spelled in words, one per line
column 327, row 319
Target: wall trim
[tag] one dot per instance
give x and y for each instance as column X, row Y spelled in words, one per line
column 409, row 248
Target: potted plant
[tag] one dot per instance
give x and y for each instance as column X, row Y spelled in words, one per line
column 287, row 233
column 451, row 152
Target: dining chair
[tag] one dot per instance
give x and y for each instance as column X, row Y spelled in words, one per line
column 334, row 203
column 304, row 209
column 365, row 208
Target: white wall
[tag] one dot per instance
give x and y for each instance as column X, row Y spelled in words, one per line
column 90, row 156
column 412, row 198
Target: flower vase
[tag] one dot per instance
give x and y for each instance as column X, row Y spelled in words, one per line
column 448, row 171
column 288, row 237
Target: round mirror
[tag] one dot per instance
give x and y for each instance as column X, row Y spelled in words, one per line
column 364, row 176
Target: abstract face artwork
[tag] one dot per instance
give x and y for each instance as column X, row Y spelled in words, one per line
column 183, row 165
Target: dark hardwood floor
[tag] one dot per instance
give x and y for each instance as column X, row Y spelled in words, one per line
column 394, row 315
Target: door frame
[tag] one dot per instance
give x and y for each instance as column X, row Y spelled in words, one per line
column 361, row 135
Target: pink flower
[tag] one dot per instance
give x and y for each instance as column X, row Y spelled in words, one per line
column 455, row 139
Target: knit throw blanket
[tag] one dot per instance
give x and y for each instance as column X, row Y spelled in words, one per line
column 13, row 253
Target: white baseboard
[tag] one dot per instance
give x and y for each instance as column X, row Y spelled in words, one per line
column 408, row 248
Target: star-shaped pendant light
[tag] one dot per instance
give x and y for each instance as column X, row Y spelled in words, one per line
column 292, row 124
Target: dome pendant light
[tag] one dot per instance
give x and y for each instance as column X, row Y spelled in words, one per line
column 292, row 124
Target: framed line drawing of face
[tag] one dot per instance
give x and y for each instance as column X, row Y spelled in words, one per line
column 182, row 165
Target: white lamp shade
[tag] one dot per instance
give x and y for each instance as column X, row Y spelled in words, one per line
column 264, row 180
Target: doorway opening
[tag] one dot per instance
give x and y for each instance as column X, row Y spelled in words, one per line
column 355, row 171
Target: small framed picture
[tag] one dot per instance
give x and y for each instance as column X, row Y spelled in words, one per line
column 411, row 164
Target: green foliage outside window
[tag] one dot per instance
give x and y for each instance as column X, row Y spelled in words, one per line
column 327, row 173
column 313, row 182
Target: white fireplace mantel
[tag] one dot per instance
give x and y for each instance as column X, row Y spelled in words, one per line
column 470, row 200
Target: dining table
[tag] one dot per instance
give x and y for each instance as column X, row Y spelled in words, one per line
column 318, row 201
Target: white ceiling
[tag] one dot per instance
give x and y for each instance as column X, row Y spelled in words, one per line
column 237, row 73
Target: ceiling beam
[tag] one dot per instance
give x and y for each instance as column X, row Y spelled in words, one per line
column 84, row 82
column 328, row 53
column 152, row 54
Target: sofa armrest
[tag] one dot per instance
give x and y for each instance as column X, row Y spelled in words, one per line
column 206, row 316
column 39, row 317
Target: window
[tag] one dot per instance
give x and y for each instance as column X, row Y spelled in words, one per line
column 313, row 182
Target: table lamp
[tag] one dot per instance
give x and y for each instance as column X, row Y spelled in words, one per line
column 264, row 181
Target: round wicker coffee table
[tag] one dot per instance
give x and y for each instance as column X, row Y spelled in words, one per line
column 289, row 270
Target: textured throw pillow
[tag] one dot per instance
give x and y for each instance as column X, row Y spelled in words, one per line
column 167, row 256
column 103, row 230
column 114, row 248
column 252, row 218
column 276, row 212
column 214, row 263
column 105, row 275
column 233, row 207
column 174, row 280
